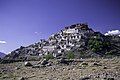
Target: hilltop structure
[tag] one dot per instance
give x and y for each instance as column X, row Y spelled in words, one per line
column 75, row 38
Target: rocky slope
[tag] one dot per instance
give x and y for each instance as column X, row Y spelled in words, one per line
column 75, row 41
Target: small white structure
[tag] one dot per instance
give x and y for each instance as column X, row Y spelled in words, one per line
column 63, row 46
column 71, row 44
column 68, row 49
column 59, row 51
column 52, row 40
column 40, row 54
column 70, row 30
column 48, row 48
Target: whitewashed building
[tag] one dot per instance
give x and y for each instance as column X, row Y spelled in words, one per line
column 48, row 48
column 70, row 30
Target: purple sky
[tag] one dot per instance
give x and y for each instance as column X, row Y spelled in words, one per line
column 23, row 22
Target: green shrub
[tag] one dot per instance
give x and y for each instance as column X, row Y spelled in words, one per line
column 70, row 55
column 97, row 45
column 48, row 56
column 82, row 53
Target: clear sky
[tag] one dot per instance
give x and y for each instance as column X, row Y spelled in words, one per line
column 23, row 22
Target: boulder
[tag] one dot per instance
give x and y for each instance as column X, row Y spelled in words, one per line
column 17, row 68
column 86, row 64
column 44, row 62
column 105, row 67
column 96, row 64
column 49, row 64
column 63, row 61
column 85, row 78
column 38, row 66
column 28, row 64
column 21, row 78
column 110, row 79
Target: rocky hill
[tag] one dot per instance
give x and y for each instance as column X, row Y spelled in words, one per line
column 74, row 41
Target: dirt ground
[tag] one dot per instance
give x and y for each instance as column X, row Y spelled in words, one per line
column 88, row 69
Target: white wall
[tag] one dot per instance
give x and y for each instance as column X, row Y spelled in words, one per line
column 70, row 31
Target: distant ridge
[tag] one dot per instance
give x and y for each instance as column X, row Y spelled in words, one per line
column 2, row 55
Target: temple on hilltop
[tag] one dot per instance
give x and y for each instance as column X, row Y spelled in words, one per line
column 82, row 26
column 74, row 38
column 70, row 38
column 67, row 39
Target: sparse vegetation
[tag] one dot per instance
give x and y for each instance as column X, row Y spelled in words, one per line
column 48, row 56
column 70, row 55
column 95, row 45
column 98, row 45
column 82, row 53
